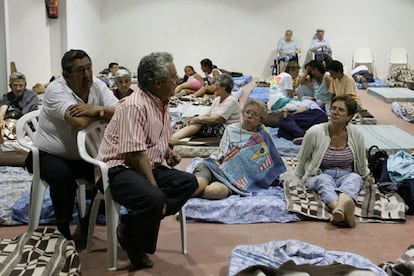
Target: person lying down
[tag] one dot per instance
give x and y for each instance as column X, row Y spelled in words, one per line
column 247, row 159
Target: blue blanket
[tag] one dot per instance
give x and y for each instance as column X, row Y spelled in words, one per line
column 254, row 166
column 241, row 81
column 400, row 167
column 260, row 93
column 276, row 253
column 284, row 147
column 377, row 83
column 265, row 206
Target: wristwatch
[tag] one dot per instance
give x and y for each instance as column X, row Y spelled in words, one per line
column 101, row 112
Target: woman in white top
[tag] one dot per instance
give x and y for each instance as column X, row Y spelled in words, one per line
column 287, row 49
column 281, row 88
column 225, row 111
column 192, row 81
column 211, row 73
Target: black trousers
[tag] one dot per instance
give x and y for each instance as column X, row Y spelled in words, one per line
column 61, row 175
column 145, row 202
column 326, row 57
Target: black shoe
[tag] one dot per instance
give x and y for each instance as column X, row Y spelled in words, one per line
column 141, row 261
column 138, row 258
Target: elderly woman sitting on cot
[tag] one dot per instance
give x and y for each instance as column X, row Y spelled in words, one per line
column 332, row 161
column 237, row 136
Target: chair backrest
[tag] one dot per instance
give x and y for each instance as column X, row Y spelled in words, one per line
column 26, row 128
column 398, row 56
column 363, row 56
column 89, row 140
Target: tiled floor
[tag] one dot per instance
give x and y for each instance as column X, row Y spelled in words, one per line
column 210, row 245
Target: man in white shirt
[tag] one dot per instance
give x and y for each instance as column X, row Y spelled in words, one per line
column 71, row 103
column 321, row 47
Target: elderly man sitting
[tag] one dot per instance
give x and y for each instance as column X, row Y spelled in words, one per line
column 321, row 47
column 225, row 111
column 15, row 104
column 71, row 102
column 247, row 160
column 135, row 145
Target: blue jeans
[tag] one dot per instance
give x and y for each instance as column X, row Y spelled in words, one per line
column 331, row 182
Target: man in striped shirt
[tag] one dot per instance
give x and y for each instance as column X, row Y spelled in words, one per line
column 135, row 145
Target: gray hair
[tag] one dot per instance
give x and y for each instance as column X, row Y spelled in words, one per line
column 261, row 105
column 17, row 76
column 153, row 67
column 226, row 81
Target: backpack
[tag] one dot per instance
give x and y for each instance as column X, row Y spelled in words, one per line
column 376, row 158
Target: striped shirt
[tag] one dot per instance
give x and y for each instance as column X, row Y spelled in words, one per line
column 338, row 159
column 140, row 123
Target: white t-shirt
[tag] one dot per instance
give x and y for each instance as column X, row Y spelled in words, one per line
column 279, row 87
column 233, row 136
column 229, row 109
column 56, row 136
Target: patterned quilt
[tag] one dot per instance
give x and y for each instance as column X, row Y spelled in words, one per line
column 404, row 110
column 372, row 205
column 43, row 252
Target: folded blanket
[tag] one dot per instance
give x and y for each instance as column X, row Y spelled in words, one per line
column 276, row 253
column 254, row 166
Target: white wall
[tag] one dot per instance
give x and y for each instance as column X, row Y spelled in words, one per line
column 236, row 34
column 3, row 53
column 28, row 41
column 85, row 28
column 241, row 34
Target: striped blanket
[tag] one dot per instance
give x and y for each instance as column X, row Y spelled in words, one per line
column 371, row 206
column 43, row 252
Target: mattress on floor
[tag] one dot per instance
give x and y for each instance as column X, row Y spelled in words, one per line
column 260, row 93
column 387, row 137
column 390, row 95
column 377, row 83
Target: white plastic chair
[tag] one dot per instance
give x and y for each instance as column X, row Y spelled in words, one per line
column 89, row 140
column 398, row 56
column 364, row 56
column 25, row 130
